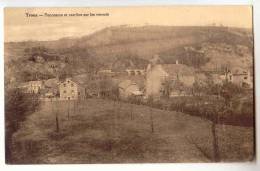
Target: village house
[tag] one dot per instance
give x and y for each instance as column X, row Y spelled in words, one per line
column 240, row 78
column 127, row 88
column 72, row 89
column 158, row 74
column 33, row 87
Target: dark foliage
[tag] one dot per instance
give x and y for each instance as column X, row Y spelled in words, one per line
column 188, row 57
column 17, row 106
column 32, row 76
column 128, row 60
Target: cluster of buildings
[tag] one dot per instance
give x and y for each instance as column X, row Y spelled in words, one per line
column 67, row 89
column 179, row 78
column 152, row 81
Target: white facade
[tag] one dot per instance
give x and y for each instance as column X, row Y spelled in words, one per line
column 33, row 87
column 155, row 77
column 242, row 79
column 70, row 90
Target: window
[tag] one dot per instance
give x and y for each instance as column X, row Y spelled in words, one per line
column 64, row 91
column 64, row 85
column 72, row 91
column 68, row 81
column 72, row 85
column 245, row 78
column 78, row 93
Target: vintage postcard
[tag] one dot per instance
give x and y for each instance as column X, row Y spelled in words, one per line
column 170, row 84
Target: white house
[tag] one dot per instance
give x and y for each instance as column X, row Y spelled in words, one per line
column 242, row 79
column 70, row 89
column 158, row 74
column 32, row 86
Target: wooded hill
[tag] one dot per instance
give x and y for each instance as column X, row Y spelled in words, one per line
column 124, row 47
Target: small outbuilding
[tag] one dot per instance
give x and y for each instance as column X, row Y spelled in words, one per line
column 128, row 89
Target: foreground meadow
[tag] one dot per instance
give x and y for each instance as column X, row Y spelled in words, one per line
column 106, row 131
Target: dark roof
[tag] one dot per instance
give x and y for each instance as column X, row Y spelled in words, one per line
column 80, row 80
column 125, row 84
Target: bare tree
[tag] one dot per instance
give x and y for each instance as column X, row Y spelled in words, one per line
column 151, row 103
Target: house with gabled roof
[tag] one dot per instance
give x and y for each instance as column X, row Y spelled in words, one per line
column 72, row 89
column 157, row 75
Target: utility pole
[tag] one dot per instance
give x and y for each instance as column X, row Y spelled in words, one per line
column 74, row 106
column 215, row 142
column 68, row 109
column 56, row 113
column 56, row 116
column 57, row 123
column 131, row 111
column 151, row 119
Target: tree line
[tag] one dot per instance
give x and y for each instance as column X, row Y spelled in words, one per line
column 18, row 106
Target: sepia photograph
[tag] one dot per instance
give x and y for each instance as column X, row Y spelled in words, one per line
column 118, row 85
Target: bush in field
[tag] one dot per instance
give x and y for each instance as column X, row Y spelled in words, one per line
column 178, row 104
column 240, row 112
column 17, row 106
column 107, row 89
column 134, row 100
column 229, row 90
column 198, row 88
column 154, row 103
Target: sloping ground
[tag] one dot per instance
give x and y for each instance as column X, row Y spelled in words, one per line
column 102, row 49
column 142, row 41
column 103, row 131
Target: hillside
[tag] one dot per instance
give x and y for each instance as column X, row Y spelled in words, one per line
column 107, row 48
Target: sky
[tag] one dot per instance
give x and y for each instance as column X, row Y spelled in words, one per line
column 19, row 27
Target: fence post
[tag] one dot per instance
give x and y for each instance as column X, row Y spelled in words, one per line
column 215, row 142
column 151, row 119
column 68, row 109
column 57, row 123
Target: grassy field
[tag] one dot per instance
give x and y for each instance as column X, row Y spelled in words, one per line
column 104, row 131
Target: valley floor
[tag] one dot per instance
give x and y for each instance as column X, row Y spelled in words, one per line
column 104, row 131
